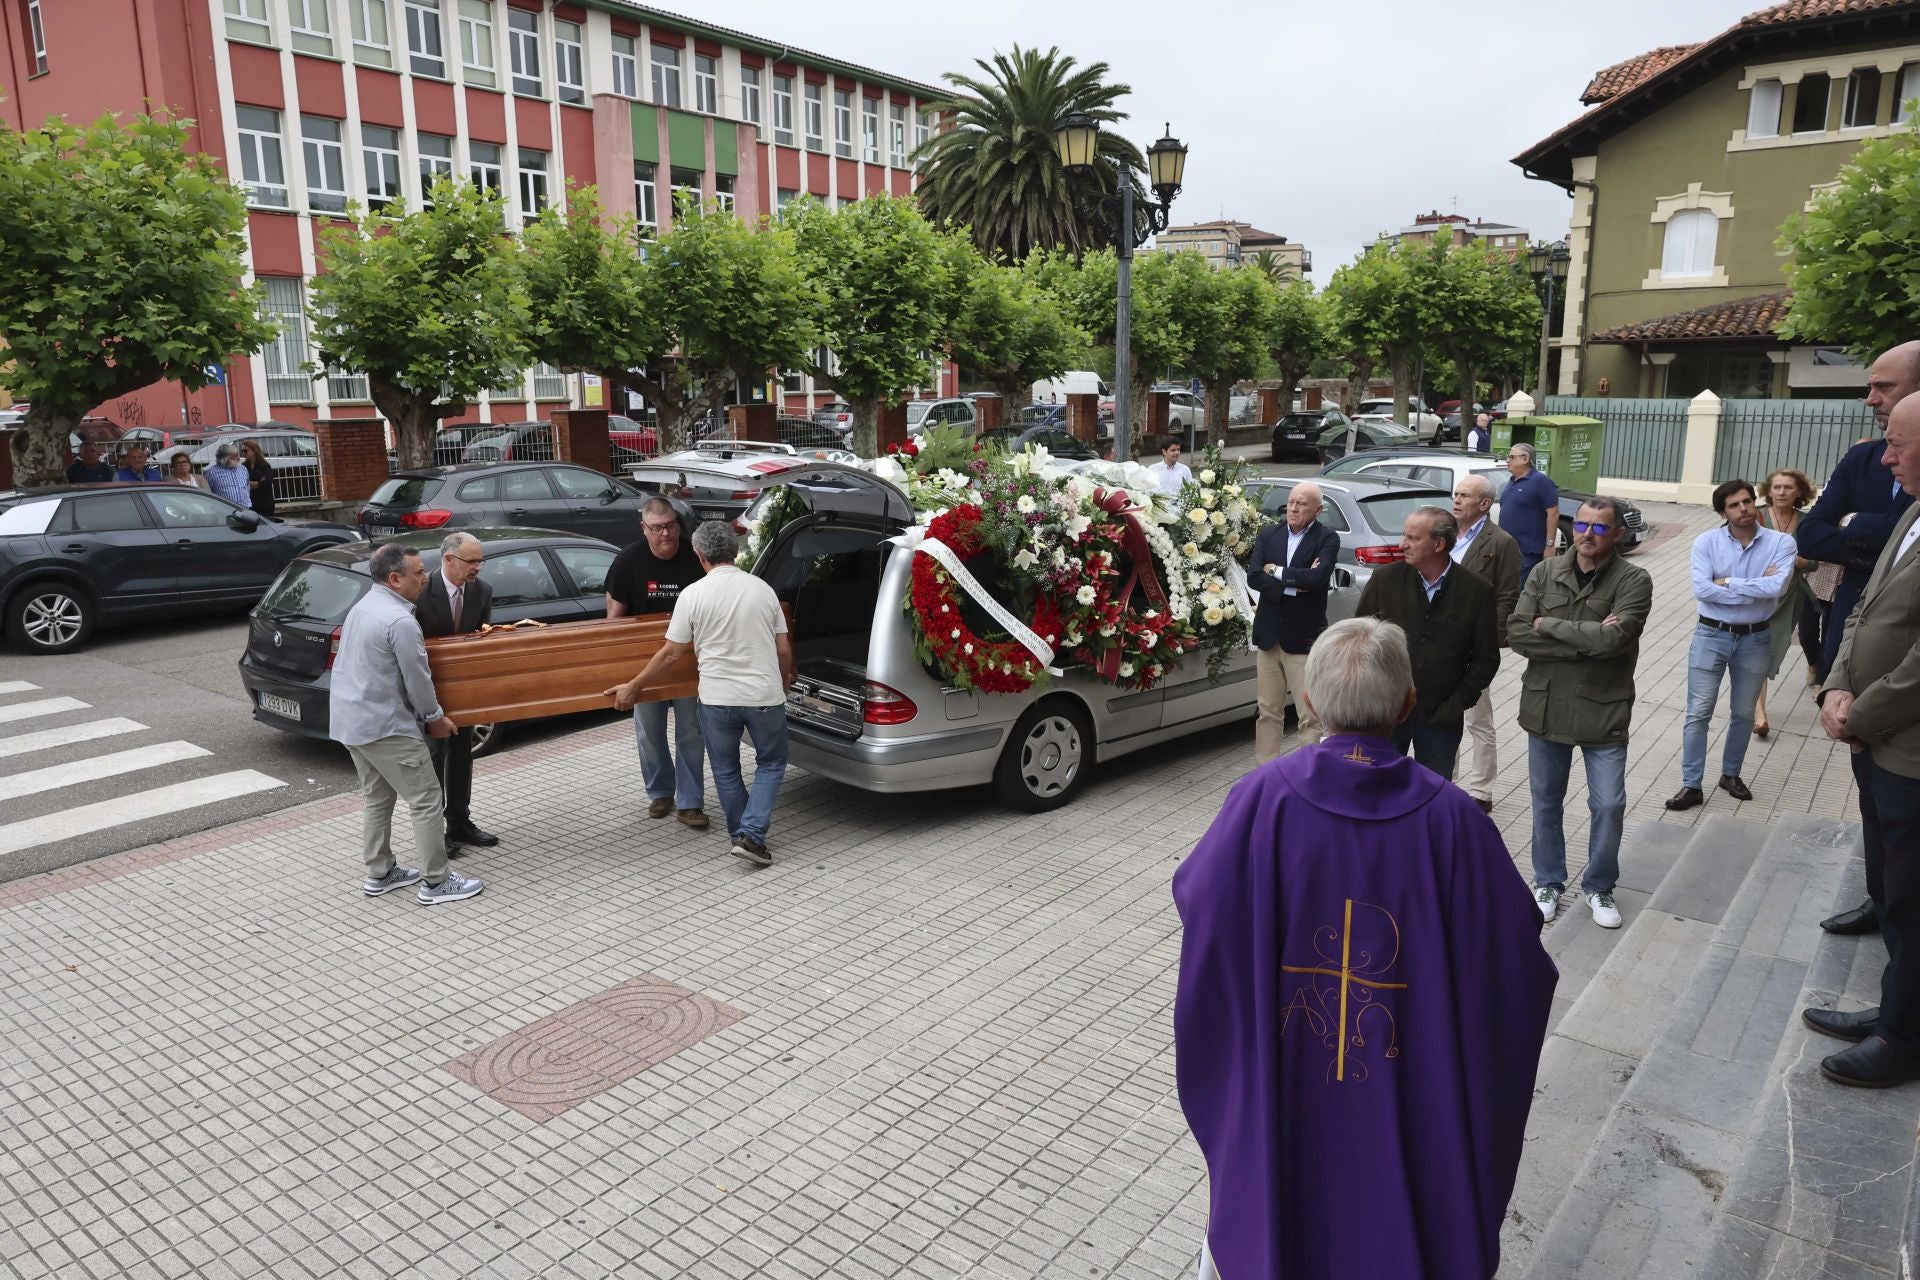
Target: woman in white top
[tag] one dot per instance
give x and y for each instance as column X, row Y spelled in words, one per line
column 180, row 471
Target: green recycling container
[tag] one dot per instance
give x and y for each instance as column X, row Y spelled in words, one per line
column 1566, row 446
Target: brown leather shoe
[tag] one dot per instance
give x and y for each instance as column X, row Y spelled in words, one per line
column 1734, row 787
column 660, row 808
column 1687, row 798
column 1486, row 806
column 695, row 818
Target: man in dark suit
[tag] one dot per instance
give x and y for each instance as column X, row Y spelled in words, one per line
column 1849, row 525
column 1292, row 569
column 454, row 602
column 1448, row 615
column 1872, row 703
column 1489, row 551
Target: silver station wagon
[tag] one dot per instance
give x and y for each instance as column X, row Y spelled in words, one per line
column 866, row 712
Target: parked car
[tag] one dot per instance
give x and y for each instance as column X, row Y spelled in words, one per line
column 1184, row 410
column 478, row 495
column 293, row 634
column 73, row 556
column 808, row 433
column 923, row 415
column 1041, row 415
column 1421, row 420
column 1362, row 433
column 285, row 448
column 1299, row 432
column 630, row 436
column 719, row 479
column 494, row 442
column 836, row 416
column 1367, row 512
column 1058, row 441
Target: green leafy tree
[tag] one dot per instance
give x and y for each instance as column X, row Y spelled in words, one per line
column 1482, row 312
column 1013, row 332
column 1855, row 255
column 995, row 168
column 427, row 303
column 120, row 265
column 1379, row 314
column 1230, row 342
column 1298, row 333
column 892, row 286
column 713, row 303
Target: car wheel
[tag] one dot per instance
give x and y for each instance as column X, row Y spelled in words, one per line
column 1045, row 761
column 485, row 739
column 49, row 617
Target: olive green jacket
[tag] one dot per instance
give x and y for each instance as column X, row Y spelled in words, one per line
column 1578, row 685
column 1879, row 659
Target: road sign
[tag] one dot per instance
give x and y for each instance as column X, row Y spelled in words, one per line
column 216, row 375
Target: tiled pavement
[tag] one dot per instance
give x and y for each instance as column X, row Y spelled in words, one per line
column 932, row 1040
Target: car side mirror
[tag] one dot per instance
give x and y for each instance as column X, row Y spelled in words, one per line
column 610, row 497
column 244, row 521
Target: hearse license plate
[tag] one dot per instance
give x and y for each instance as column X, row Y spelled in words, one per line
column 285, row 707
column 382, row 530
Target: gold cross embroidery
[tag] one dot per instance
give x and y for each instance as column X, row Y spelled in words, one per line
column 1358, row 756
column 1347, row 976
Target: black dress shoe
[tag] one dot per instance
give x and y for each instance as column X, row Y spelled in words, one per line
column 1687, row 798
column 1872, row 1064
column 1734, row 787
column 1848, row 923
column 1855, row 1026
column 1486, row 806
column 473, row 835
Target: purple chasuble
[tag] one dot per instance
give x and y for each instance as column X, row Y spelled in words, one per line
column 1363, row 996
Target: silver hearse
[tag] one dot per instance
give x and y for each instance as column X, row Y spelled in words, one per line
column 866, row 712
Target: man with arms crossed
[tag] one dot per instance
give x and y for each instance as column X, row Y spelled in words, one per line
column 1292, row 568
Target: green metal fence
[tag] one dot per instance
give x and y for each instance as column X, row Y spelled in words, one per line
column 1758, row 436
column 1646, row 439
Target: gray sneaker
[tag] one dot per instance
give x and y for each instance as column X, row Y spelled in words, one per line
column 398, row 878
column 454, row 888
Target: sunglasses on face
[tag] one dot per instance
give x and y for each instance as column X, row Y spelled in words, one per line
column 1594, row 527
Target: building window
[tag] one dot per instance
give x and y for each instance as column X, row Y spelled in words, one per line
column 665, row 61
column 533, row 184
column 1692, row 236
column 815, row 118
column 549, row 383
column 427, row 55
column 310, row 26
column 1906, row 91
column 922, row 130
column 286, row 355
column 483, row 165
column 380, row 154
column 476, row 42
column 263, row 166
column 843, row 123
column 750, row 97
column 39, row 33
column 436, row 162
column 523, row 50
column 372, row 43
column 247, row 20
column 706, row 84
column 1862, row 108
column 345, row 385
column 646, row 199
column 569, row 67
column 784, row 197
column 326, row 163
column 783, row 110
column 686, row 188
column 870, row 129
column 626, row 68
column 897, row 136
column 793, row 382
column 1810, row 108
column 723, row 191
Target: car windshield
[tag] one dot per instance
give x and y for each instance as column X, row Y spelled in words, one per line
column 1036, row 413
column 1308, row 420
column 1389, row 511
column 315, row 592
column 400, row 491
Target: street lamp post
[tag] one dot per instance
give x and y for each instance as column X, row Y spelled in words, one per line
column 1547, row 264
column 1078, row 140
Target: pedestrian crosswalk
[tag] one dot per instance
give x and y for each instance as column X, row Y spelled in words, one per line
column 51, row 793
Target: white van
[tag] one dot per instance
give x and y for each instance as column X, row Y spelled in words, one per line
column 1074, row 382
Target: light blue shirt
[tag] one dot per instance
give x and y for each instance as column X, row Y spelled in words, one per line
column 1465, row 540
column 1750, row 593
column 1433, row 588
column 382, row 686
column 229, row 483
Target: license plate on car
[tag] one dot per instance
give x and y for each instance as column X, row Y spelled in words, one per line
column 807, row 702
column 711, row 513
column 381, row 530
column 286, row 708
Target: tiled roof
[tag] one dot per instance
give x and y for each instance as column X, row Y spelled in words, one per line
column 777, row 49
column 1622, row 76
column 1802, row 10
column 1752, row 317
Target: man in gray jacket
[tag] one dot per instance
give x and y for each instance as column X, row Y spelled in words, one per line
column 381, row 696
column 1578, row 624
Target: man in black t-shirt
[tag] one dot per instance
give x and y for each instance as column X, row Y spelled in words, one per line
column 648, row 577
column 89, row 468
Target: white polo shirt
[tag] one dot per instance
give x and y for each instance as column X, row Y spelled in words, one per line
column 730, row 618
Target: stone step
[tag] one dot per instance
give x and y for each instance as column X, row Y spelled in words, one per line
column 1578, row 949
column 1609, row 1025
column 1650, row 1185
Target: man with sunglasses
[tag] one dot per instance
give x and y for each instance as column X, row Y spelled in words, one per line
column 454, row 602
column 648, row 577
column 1578, row 624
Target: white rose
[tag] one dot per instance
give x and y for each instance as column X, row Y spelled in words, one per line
column 1086, row 595
column 1233, row 542
column 1228, row 608
column 1206, row 477
column 1025, row 504
column 1219, row 519
column 969, row 648
column 954, row 634
column 1197, row 516
column 1191, row 550
column 1215, row 586
column 1148, row 640
column 1126, row 670
column 1208, row 498
column 1233, row 490
column 1214, row 616
column 1106, row 630
column 1007, row 667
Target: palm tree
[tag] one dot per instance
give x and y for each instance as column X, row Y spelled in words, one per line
column 994, row 167
column 1273, row 266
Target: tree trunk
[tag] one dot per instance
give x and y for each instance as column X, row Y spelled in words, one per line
column 415, row 418
column 1401, row 366
column 40, row 447
column 1467, row 378
column 1356, row 384
column 866, row 424
column 1218, row 396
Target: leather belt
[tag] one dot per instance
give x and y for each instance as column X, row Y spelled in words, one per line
column 1733, row 628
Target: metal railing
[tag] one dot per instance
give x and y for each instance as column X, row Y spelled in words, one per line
column 1645, row 439
column 1760, row 436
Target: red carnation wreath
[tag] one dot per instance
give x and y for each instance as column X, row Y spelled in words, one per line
column 963, row 656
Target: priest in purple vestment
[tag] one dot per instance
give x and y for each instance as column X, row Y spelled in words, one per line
column 1363, row 996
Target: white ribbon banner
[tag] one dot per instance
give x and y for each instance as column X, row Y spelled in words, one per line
column 917, row 540
column 1242, row 598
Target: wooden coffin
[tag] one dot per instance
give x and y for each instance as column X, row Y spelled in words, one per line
column 523, row 673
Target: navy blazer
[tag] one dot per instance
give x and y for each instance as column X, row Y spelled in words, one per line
column 1292, row 622
column 1863, row 487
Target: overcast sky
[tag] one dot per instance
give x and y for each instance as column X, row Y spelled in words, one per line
column 1325, row 122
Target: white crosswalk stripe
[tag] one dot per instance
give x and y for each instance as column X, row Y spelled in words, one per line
column 98, row 767
column 21, row 744
column 87, row 818
column 16, row 686
column 41, row 707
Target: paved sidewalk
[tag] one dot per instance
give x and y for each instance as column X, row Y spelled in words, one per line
column 933, row 1040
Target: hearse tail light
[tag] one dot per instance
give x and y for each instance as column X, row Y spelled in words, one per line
column 881, row 705
column 1379, row 555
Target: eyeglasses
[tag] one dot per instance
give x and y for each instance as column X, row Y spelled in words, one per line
column 475, row 562
column 651, row 527
column 1593, row 527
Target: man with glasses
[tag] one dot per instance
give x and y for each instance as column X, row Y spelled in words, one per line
column 455, row 602
column 1529, row 509
column 1578, row 624
column 647, row 578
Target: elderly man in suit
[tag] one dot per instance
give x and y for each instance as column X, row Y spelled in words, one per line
column 454, row 602
column 1490, row 552
column 1292, row 569
column 1872, row 702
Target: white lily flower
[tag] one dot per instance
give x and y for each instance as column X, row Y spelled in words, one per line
column 1024, row 559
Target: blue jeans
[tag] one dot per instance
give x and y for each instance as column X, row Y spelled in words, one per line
column 1714, row 652
column 673, row 773
column 1434, row 747
column 1548, row 766
column 747, row 814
